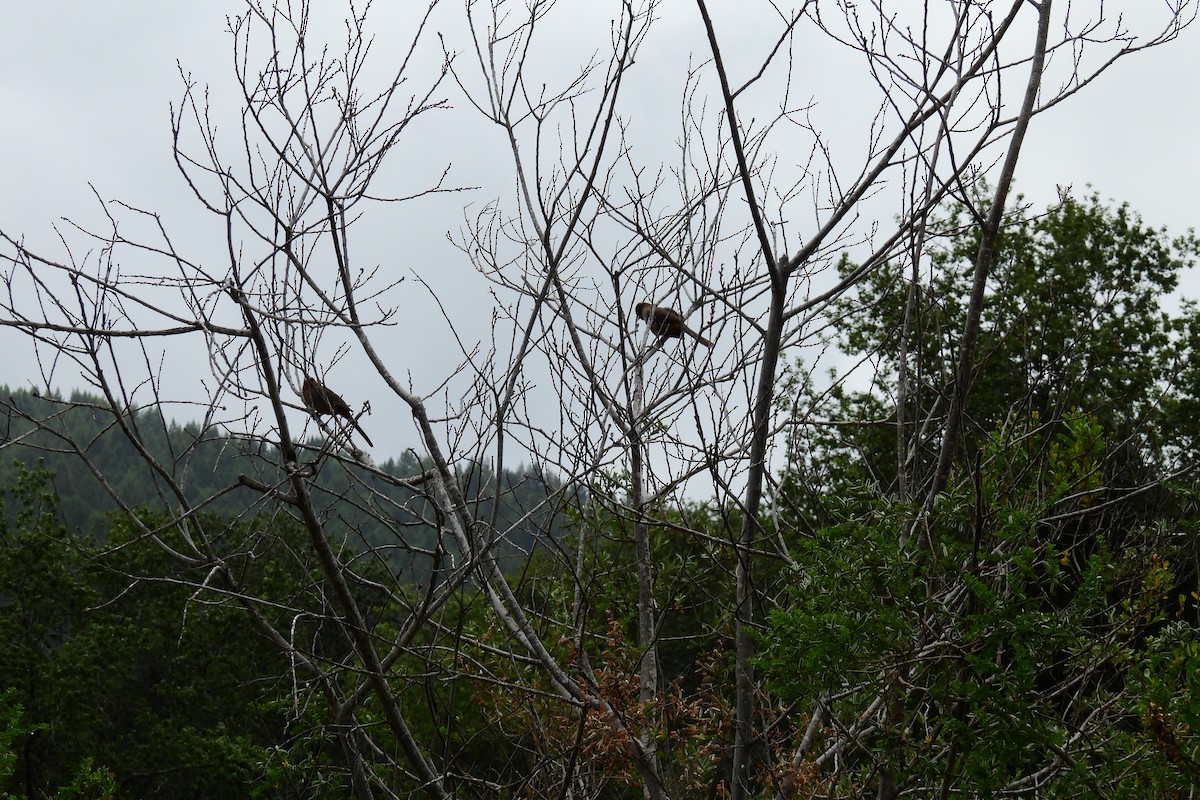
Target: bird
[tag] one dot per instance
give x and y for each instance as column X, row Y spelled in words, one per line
column 667, row 322
column 321, row 400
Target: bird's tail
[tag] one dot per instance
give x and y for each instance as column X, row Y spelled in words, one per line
column 358, row 428
column 698, row 337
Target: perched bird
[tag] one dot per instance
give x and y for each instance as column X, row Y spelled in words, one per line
column 667, row 322
column 322, row 400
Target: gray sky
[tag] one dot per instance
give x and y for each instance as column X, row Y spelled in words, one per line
column 85, row 88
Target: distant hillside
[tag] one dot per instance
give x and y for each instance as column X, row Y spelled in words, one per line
column 207, row 464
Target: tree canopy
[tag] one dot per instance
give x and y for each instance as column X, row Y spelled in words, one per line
column 1039, row 619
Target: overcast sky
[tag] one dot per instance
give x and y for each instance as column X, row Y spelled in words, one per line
column 85, row 88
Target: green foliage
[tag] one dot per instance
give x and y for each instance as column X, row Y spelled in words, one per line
column 174, row 696
column 12, row 731
column 995, row 658
column 90, row 782
column 117, row 656
column 1040, row 619
column 822, row 639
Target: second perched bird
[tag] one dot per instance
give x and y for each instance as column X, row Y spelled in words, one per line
column 322, row 400
column 667, row 322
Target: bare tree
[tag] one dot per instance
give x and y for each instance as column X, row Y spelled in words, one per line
column 738, row 230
